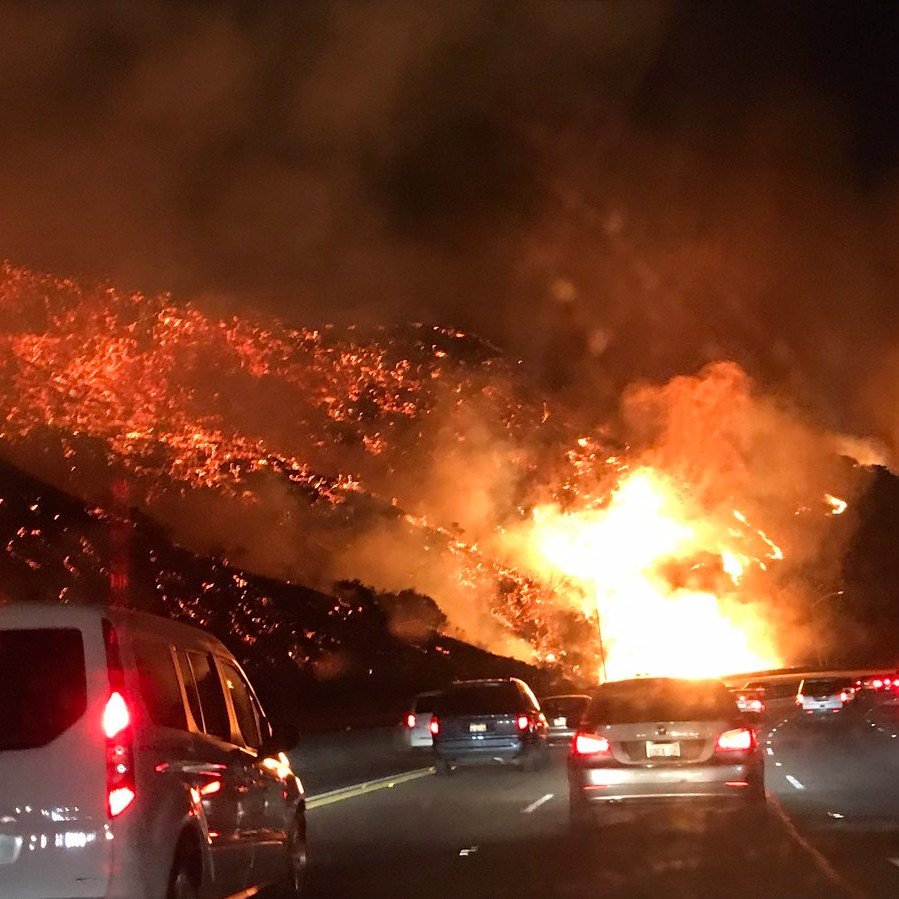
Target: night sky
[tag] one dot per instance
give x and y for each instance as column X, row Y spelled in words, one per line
column 611, row 191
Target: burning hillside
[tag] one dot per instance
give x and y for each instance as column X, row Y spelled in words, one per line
column 421, row 458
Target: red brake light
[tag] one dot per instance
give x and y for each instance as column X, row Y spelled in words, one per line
column 410, row 720
column 737, row 740
column 213, row 786
column 116, row 724
column 586, row 744
column 119, row 799
column 877, row 683
column 115, row 716
column 844, row 696
column 523, row 722
column 434, row 726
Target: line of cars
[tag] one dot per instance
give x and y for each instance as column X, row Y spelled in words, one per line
column 812, row 693
column 638, row 741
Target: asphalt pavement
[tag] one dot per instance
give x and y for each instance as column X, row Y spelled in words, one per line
column 832, row 830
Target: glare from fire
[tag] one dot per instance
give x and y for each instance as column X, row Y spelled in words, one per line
column 661, row 577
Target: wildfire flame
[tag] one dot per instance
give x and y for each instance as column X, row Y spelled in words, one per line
column 631, row 537
column 635, row 558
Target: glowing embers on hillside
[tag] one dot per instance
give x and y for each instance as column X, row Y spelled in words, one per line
column 663, row 577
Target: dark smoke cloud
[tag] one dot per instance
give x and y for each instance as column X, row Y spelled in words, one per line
column 613, row 191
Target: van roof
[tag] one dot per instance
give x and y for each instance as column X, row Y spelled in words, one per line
column 49, row 613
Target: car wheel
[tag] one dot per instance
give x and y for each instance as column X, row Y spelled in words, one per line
column 181, row 882
column 296, row 861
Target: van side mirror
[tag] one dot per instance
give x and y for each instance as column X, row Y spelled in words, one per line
column 284, row 737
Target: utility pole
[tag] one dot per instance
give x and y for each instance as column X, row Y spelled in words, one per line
column 602, row 648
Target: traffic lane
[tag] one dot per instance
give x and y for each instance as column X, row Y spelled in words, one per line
column 328, row 761
column 837, row 778
column 500, row 832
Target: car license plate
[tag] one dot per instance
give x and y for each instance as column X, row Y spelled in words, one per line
column 560, row 722
column 477, row 728
column 670, row 750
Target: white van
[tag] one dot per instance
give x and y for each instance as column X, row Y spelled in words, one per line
column 136, row 762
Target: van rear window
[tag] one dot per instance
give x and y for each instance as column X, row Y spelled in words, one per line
column 43, row 686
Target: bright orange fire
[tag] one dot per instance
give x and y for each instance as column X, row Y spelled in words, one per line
column 660, row 577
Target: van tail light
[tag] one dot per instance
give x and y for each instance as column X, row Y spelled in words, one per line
column 410, row 720
column 116, row 723
column 116, row 716
column 738, row 740
column 434, row 726
column 589, row 744
column 523, row 722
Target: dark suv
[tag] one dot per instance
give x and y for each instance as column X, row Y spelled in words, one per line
column 489, row 720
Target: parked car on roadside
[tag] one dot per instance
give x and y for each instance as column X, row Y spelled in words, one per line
column 417, row 721
column 136, row 762
column 663, row 740
column 489, row 721
column 563, row 714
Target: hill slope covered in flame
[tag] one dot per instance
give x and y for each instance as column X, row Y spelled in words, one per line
column 422, row 458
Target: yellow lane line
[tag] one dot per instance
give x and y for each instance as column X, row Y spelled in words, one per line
column 371, row 786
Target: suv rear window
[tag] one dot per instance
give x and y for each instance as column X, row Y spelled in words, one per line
column 43, row 687
column 482, row 699
column 661, row 700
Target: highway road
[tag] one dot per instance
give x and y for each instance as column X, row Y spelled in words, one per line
column 833, row 830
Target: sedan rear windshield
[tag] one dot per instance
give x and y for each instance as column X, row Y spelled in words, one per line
column 482, row 699
column 43, row 687
column 823, row 687
column 660, row 700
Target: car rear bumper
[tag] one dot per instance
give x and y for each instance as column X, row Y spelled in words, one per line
column 619, row 784
column 821, row 708
column 464, row 750
column 557, row 736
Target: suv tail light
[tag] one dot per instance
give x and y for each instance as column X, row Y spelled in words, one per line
column 738, row 740
column 589, row 744
column 410, row 720
column 116, row 723
column 434, row 726
column 523, row 722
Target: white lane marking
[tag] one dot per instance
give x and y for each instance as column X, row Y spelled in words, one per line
column 536, row 804
column 824, row 866
column 894, row 861
column 770, row 751
column 795, row 783
column 471, row 850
